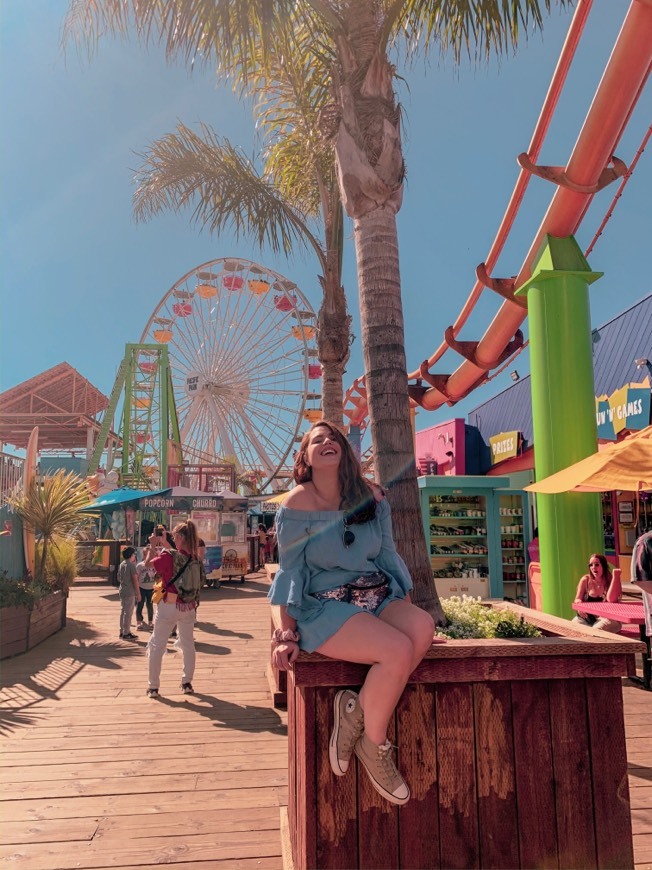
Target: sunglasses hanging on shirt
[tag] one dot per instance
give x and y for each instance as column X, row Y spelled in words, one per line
column 347, row 537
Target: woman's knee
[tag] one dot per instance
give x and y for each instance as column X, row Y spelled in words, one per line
column 426, row 629
column 608, row 625
column 421, row 629
column 399, row 653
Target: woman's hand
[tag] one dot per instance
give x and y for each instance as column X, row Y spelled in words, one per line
column 579, row 612
column 285, row 654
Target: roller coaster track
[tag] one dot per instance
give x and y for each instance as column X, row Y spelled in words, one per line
column 592, row 165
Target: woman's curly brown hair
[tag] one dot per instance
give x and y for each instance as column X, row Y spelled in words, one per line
column 356, row 496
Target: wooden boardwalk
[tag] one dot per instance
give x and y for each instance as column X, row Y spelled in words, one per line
column 95, row 775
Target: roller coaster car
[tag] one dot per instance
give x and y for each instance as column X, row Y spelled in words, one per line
column 234, row 565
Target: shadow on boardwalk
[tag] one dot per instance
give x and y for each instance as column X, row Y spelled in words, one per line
column 98, row 775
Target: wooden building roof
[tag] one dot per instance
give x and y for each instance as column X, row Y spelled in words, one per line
column 62, row 403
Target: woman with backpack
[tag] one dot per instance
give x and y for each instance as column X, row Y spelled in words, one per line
column 178, row 596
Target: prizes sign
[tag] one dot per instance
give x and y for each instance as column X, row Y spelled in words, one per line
column 626, row 408
column 504, row 446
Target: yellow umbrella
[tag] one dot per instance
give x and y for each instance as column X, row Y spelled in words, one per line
column 277, row 499
column 626, row 465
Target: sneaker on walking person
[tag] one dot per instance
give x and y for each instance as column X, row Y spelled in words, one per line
column 141, row 626
column 384, row 776
column 187, row 689
column 347, row 728
column 152, row 693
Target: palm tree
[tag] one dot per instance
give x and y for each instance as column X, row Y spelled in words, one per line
column 51, row 507
column 296, row 191
column 363, row 123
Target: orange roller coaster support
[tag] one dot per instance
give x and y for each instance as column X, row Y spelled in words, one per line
column 617, row 94
column 559, row 176
column 614, row 101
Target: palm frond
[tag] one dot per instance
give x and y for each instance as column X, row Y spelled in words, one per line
column 196, row 31
column 51, row 506
column 475, row 28
column 221, row 184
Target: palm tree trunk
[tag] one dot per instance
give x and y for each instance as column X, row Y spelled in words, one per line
column 383, row 343
column 370, row 172
column 332, row 392
column 333, row 345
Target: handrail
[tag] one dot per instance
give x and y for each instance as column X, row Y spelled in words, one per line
column 11, row 474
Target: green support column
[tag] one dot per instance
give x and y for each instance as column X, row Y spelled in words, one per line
column 563, row 414
column 127, row 410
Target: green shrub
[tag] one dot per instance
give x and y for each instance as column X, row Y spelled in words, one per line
column 21, row 593
column 61, row 566
column 469, row 618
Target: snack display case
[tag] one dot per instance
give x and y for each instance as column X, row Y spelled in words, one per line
column 513, row 535
column 466, row 521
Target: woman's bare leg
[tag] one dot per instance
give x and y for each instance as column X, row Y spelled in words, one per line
column 390, row 651
column 415, row 623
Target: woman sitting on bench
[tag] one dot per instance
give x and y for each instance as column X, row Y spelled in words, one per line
column 599, row 585
column 344, row 592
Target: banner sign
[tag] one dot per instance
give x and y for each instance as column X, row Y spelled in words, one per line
column 626, row 408
column 181, row 503
column 504, row 446
column 269, row 507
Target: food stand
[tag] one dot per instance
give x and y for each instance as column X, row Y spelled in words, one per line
column 116, row 512
column 220, row 518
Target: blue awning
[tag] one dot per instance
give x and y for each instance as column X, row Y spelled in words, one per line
column 171, row 499
column 122, row 497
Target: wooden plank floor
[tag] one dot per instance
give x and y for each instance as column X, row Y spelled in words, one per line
column 94, row 774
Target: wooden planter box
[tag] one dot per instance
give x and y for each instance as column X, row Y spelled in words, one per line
column 14, row 629
column 22, row 629
column 514, row 751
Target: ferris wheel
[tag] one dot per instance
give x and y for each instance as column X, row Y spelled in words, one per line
column 239, row 338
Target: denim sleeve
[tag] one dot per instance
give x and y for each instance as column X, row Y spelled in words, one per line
column 291, row 578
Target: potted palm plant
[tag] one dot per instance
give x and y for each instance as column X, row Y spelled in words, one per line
column 51, row 507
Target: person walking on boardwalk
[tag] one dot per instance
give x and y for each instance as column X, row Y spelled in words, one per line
column 146, row 579
column 344, row 592
column 181, row 578
column 128, row 591
column 262, row 542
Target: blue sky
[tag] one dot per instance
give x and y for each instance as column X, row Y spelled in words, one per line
column 80, row 278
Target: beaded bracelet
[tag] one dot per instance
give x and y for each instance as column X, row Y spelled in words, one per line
column 284, row 635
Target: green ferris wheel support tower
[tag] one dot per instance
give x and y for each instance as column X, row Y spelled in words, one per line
column 149, row 427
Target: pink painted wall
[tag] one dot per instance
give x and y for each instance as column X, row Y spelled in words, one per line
column 433, row 445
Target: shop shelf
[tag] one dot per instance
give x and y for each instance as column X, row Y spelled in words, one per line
column 478, row 515
column 457, row 537
column 449, row 556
